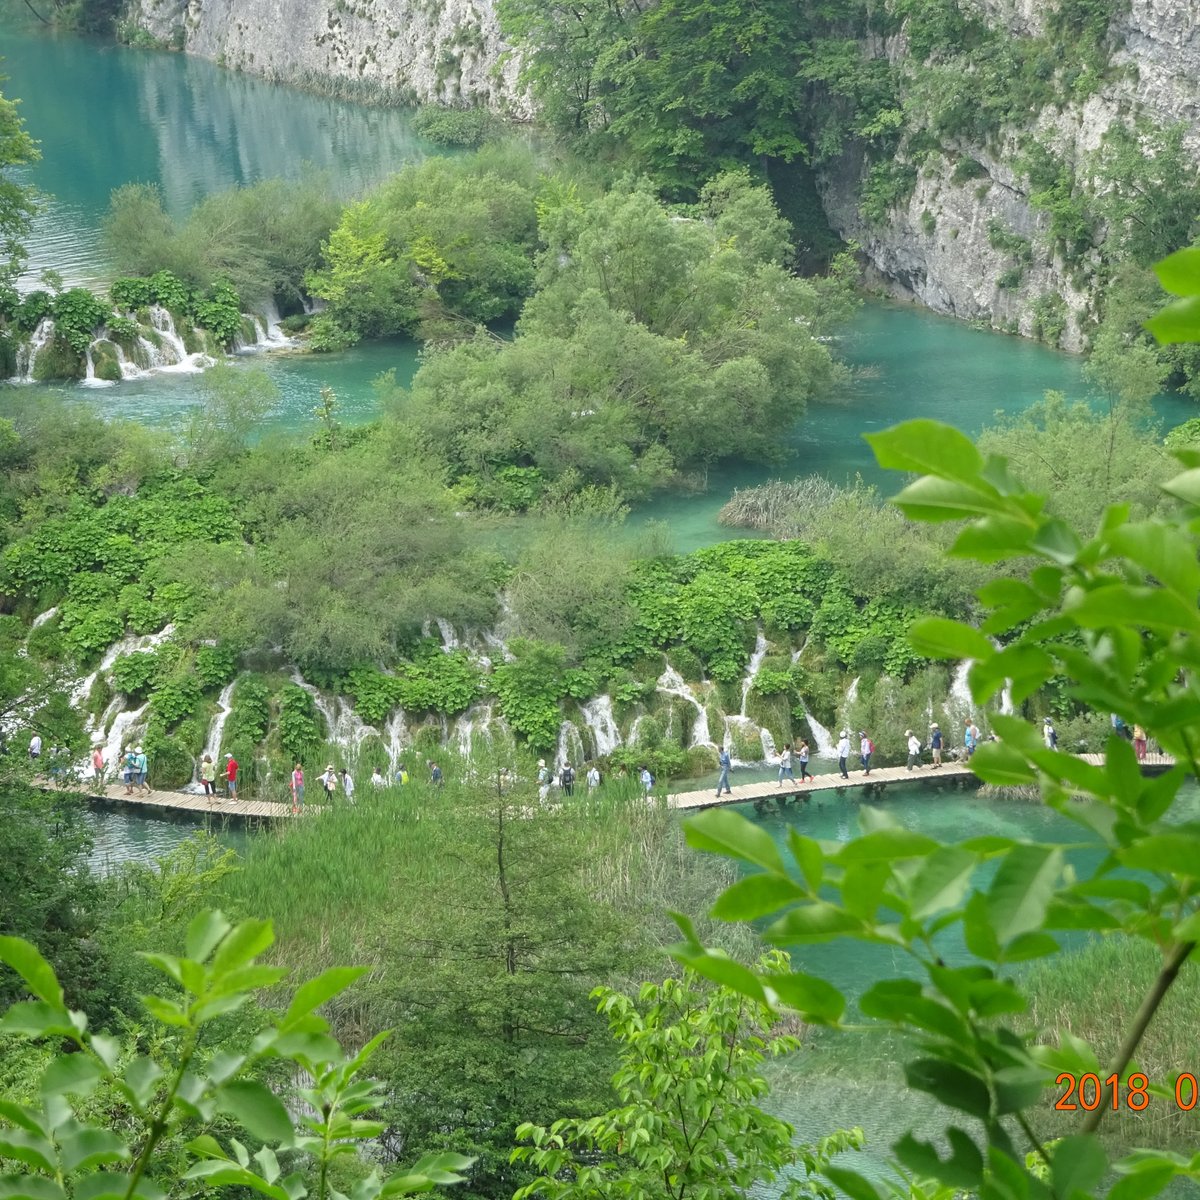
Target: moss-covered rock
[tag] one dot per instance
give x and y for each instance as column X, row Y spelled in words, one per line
column 171, row 764
column 57, row 360
column 105, row 362
column 772, row 713
column 701, row 760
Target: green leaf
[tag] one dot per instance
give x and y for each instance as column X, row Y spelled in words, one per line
column 30, row 1187
column 1057, row 541
column 807, row 852
column 1021, row 890
column 32, row 1149
column 37, row 974
column 886, row 845
column 754, row 897
column 725, row 971
column 1002, row 765
column 931, row 499
column 1136, row 607
column 1179, row 321
column 1185, row 486
column 1143, row 1183
column 950, row 1084
column 203, row 934
column 1175, row 852
column 963, row 1168
column 1077, row 1164
column 258, row 1109
column 942, row 881
column 1179, row 273
column 71, row 1074
column 929, row 447
column 819, row 921
column 242, row 945
column 89, row 1147
column 856, row 1186
column 720, row 831
column 311, row 995
column 36, row 1018
column 937, row 637
column 812, row 998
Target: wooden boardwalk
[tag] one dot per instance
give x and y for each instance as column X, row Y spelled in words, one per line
column 185, row 802
column 860, row 782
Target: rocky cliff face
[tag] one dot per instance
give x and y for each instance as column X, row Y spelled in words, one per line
column 447, row 51
column 939, row 247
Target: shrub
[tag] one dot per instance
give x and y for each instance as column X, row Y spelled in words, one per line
column 135, row 674
column 77, row 316
column 215, row 665
column 467, row 127
column 171, row 764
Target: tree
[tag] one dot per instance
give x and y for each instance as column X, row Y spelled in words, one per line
column 689, row 1125
column 169, row 1102
column 1115, row 615
column 17, row 205
column 234, row 402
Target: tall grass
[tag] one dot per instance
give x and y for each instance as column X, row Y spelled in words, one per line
column 1094, row 992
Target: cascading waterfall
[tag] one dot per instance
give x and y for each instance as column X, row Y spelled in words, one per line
column 756, row 661
column 395, row 735
column 42, row 618
column 825, row 746
column 671, row 683
column 347, row 730
column 474, row 722
column 960, row 692
column 212, row 744
column 449, row 637
column 119, row 735
column 89, row 377
column 178, row 359
column 570, row 746
column 600, row 721
column 27, row 352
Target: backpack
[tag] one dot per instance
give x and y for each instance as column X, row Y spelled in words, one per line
column 870, row 746
column 568, row 775
column 1053, row 739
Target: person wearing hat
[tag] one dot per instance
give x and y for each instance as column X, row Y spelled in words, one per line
column 914, row 749
column 843, row 752
column 141, row 768
column 329, row 781
column 866, row 748
column 935, row 743
column 1049, row 736
column 231, row 774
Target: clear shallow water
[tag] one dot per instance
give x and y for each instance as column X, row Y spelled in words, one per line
column 124, row 835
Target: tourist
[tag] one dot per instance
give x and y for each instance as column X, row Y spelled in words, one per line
column 593, row 778
column 348, row 785
column 1139, row 743
column 785, row 766
column 435, row 774
column 98, row 765
column 129, row 767
column 141, row 769
column 1049, row 734
column 208, row 775
column 231, row 776
column 566, row 779
column 377, row 779
column 648, row 780
column 843, row 752
column 802, row 757
column 329, row 781
column 297, row 788
column 724, row 761
column 543, row 779
column 935, row 743
column 914, row 749
column 866, row 748
column 970, row 737
column 35, row 747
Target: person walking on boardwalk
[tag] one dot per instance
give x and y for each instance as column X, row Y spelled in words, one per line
column 566, row 779
column 231, row 776
column 1139, row 743
column 328, row 780
column 593, row 778
column 866, row 748
column 648, row 781
column 127, row 769
column 970, row 736
column 935, row 743
column 1049, row 734
column 914, row 749
column 802, row 758
column 98, row 765
column 297, row 788
column 724, row 762
column 785, row 766
column 208, row 775
column 141, row 767
column 843, row 752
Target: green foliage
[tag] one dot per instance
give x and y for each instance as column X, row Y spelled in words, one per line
column 135, row 674
column 688, row 1087
column 220, row 312
column 466, row 127
column 1056, row 191
column 1179, row 321
column 888, row 183
column 432, row 682
column 17, row 200
column 177, row 1091
column 1113, row 613
column 33, row 307
column 215, row 665
column 530, row 687
column 77, row 316
column 300, row 734
column 234, row 401
column 1049, row 318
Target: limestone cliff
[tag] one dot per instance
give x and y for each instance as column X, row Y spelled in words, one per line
column 941, row 246
column 447, row 51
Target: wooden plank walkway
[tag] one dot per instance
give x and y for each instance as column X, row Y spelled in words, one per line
column 185, row 802
column 860, row 782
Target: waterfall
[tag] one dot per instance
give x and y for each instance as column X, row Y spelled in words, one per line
column 852, row 691
column 768, row 744
column 267, row 332
column 177, row 359
column 598, row 717
column 212, row 745
column 129, row 369
column 131, row 643
column 960, row 693
column 671, row 683
column 118, row 735
column 756, row 660
column 42, row 618
column 570, row 746
column 396, row 733
column 633, row 729
column 825, row 746
column 449, row 637
column 476, row 721
column 89, row 378
column 347, row 730
column 27, row 352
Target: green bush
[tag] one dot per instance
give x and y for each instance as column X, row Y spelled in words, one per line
column 77, row 316
column 466, row 127
column 215, row 665
column 135, row 675
column 300, row 733
column 171, row 764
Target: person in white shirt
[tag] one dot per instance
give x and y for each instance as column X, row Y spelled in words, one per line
column 914, row 749
column 377, row 779
column 593, row 777
column 348, row 785
column 843, row 750
column 35, row 746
